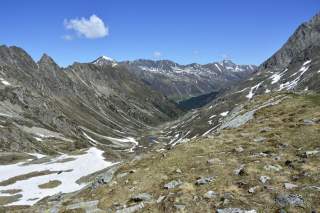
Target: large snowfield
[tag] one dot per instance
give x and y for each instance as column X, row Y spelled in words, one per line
column 67, row 172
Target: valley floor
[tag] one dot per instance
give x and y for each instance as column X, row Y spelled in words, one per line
column 269, row 164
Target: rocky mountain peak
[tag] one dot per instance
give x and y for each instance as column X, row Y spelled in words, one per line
column 104, row 60
column 15, row 56
column 46, row 61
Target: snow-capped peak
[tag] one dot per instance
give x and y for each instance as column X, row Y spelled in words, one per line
column 105, row 60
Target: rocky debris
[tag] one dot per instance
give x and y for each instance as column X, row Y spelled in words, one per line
column 178, row 171
column 104, row 178
column 264, row 179
column 260, row 139
column 131, row 209
column 265, row 129
column 204, row 180
column 317, row 188
column 284, row 200
column 311, row 153
column 239, row 149
column 253, row 189
column 172, row 184
column 290, row 186
column 240, row 171
column 161, row 198
column 88, row 206
column 141, row 197
column 180, row 207
column 276, row 168
column 121, row 175
column 210, row 195
column 235, row 210
column 213, row 161
column 308, row 122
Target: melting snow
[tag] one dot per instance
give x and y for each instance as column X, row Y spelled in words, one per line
column 307, row 62
column 275, row 78
column 82, row 165
column 253, row 89
column 224, row 113
column 268, row 91
column 218, row 67
column 4, row 82
column 212, row 116
column 291, row 84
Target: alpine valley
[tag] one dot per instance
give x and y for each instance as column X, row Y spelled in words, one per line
column 158, row 136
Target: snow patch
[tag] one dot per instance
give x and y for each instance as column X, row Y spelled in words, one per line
column 223, row 114
column 4, row 82
column 70, row 171
column 253, row 89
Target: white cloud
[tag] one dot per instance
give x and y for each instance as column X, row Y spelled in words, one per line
column 157, row 54
column 90, row 28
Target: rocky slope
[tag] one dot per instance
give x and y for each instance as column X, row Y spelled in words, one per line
column 297, row 71
column 81, row 105
column 268, row 163
column 179, row 82
column 253, row 148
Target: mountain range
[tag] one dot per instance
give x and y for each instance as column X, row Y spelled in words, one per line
column 138, row 122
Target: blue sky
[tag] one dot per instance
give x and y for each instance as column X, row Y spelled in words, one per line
column 186, row 31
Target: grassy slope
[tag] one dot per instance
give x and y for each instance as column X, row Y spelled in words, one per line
column 287, row 139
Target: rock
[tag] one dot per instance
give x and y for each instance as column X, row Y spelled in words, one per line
column 160, row 199
column 141, row 197
column 240, row 171
column 213, row 161
column 173, row 184
column 284, row 200
column 131, row 209
column 259, row 139
column 178, row 171
column 265, row 129
column 204, row 180
column 210, row 195
column 308, row 122
column 264, row 179
column 104, row 178
column 239, row 149
column 179, row 206
column 253, row 189
column 316, row 188
column 132, row 171
column 290, row 186
column 276, row 168
column 121, row 175
column 311, row 153
column 235, row 210
column 88, row 206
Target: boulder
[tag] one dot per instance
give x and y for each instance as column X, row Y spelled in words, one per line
column 172, row 184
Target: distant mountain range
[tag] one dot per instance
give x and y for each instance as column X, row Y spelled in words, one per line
column 180, row 82
column 294, row 67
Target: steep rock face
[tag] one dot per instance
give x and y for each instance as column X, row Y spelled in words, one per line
column 81, row 105
column 307, row 34
column 179, row 82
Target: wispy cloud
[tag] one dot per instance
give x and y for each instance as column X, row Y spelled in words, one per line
column 157, row 54
column 91, row 28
